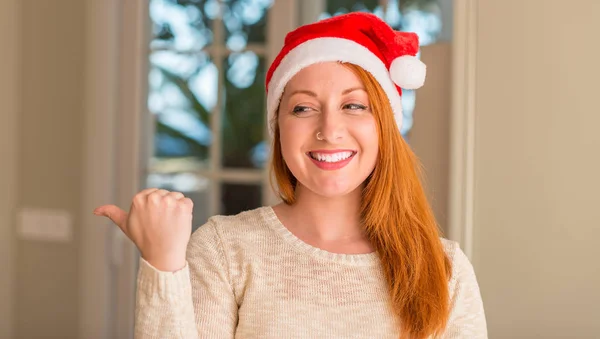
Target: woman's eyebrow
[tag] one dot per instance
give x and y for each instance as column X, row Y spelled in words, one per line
column 313, row 94
column 350, row 90
column 304, row 91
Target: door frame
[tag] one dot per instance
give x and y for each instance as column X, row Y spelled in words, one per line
column 115, row 163
column 110, row 104
column 134, row 137
column 97, row 242
column 462, row 129
column 118, row 130
column 10, row 15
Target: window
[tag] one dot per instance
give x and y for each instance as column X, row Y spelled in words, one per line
column 208, row 61
column 206, row 94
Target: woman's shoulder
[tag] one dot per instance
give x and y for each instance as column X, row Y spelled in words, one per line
column 462, row 269
column 467, row 315
column 245, row 219
column 231, row 229
column 450, row 247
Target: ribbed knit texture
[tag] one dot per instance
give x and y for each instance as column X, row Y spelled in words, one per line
column 247, row 276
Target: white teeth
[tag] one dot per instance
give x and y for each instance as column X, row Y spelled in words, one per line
column 333, row 157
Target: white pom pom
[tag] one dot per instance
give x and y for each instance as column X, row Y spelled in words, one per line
column 408, row 72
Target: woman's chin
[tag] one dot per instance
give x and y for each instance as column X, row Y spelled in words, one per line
column 333, row 189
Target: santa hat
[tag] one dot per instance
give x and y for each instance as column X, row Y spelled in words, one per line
column 357, row 38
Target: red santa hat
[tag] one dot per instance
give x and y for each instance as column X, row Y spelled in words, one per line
column 357, row 38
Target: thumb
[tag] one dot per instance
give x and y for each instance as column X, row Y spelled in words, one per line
column 115, row 214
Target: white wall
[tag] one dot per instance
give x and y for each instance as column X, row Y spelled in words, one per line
column 536, row 158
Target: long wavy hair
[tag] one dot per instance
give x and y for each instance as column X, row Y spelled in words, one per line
column 398, row 221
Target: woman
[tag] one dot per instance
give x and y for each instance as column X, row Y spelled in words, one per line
column 352, row 251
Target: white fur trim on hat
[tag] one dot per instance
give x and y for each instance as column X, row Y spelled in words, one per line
column 324, row 50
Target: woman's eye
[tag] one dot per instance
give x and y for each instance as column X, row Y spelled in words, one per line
column 355, row 107
column 300, row 109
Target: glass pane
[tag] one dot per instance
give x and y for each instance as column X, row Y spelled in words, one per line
column 245, row 22
column 192, row 186
column 244, row 111
column 182, row 24
column 337, row 7
column 423, row 17
column 236, row 198
column 182, row 93
column 408, row 106
column 420, row 16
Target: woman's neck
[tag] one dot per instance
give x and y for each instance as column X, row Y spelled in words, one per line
column 324, row 220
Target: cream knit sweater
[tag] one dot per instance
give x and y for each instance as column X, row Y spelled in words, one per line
column 247, row 276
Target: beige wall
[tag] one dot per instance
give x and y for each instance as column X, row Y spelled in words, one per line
column 49, row 162
column 9, row 106
column 537, row 165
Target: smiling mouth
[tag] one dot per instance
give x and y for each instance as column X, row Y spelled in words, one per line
column 331, row 157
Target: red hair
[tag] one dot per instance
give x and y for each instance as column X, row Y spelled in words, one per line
column 398, row 221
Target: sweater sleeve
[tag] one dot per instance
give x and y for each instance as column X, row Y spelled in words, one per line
column 194, row 302
column 467, row 317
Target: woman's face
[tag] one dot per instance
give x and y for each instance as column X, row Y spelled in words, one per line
column 328, row 99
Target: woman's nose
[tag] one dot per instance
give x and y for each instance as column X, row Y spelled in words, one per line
column 332, row 126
